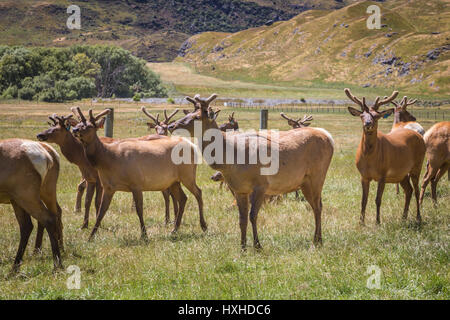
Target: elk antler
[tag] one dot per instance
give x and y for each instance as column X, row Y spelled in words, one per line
column 305, row 119
column 193, row 101
column 63, row 119
column 52, row 118
column 286, row 117
column 362, row 103
column 150, row 116
column 377, row 104
column 169, row 117
column 93, row 119
column 406, row 103
column 81, row 115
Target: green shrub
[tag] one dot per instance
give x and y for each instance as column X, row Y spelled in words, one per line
column 26, row 93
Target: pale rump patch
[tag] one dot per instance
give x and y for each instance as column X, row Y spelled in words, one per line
column 416, row 127
column 328, row 135
column 39, row 157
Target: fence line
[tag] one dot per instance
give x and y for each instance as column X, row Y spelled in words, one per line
column 423, row 113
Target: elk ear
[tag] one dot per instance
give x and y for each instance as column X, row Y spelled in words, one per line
column 354, row 112
column 151, row 125
column 100, row 123
column 386, row 113
column 292, row 123
column 307, row 124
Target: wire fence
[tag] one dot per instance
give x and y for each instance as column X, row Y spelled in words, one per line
column 430, row 113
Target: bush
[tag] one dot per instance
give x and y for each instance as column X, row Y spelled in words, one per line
column 10, row 93
column 137, row 97
column 171, row 101
column 26, row 93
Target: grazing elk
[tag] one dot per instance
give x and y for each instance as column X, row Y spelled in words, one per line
column 231, row 125
column 437, row 141
column 395, row 157
column 28, row 177
column 161, row 129
column 72, row 149
column 134, row 165
column 304, row 158
column 404, row 119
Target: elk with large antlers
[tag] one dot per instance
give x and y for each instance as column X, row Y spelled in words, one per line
column 437, row 141
column 395, row 157
column 134, row 165
column 72, row 149
column 304, row 157
column 28, row 177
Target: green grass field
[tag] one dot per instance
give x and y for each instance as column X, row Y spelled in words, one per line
column 413, row 259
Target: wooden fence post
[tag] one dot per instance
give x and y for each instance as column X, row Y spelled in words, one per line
column 109, row 123
column 264, row 115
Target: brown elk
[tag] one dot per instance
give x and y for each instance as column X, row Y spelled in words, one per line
column 72, row 149
column 404, row 119
column 232, row 124
column 304, row 155
column 161, row 129
column 395, row 157
column 134, row 165
column 28, row 178
column 437, row 141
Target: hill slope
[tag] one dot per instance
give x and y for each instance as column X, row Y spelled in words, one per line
column 411, row 51
column 151, row 29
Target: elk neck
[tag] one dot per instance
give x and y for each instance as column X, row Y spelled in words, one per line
column 369, row 141
column 71, row 148
column 96, row 152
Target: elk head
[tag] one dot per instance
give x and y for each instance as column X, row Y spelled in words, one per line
column 202, row 112
column 59, row 128
column 218, row 176
column 400, row 113
column 232, row 124
column 300, row 123
column 161, row 127
column 86, row 130
column 370, row 115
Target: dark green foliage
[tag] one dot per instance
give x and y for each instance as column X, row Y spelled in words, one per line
column 60, row 74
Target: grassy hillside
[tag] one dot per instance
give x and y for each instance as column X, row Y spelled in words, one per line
column 327, row 48
column 153, row 30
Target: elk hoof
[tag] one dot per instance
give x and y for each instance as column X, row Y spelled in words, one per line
column 85, row 225
column 204, row 227
column 257, row 246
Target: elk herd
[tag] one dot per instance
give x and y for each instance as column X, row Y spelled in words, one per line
column 30, row 169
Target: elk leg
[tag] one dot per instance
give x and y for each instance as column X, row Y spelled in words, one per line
column 87, row 203
column 195, row 190
column 179, row 194
column 380, row 191
column 26, row 226
column 365, row 195
column 314, row 199
column 431, row 173
column 106, row 201
column 175, row 206
column 415, row 182
column 98, row 196
column 166, row 195
column 406, row 185
column 442, row 170
column 257, row 199
column 80, row 191
column 397, row 189
column 242, row 202
column 139, row 203
column 39, row 236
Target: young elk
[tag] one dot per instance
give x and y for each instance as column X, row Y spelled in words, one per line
column 304, row 155
column 437, row 141
column 134, row 165
column 232, row 124
column 404, row 119
column 28, row 177
column 161, row 129
column 72, row 149
column 386, row 158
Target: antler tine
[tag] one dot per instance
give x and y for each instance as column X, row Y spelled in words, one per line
column 103, row 113
column 286, row 117
column 157, row 118
column 67, row 117
column 395, row 103
column 410, row 102
column 211, row 98
column 171, row 115
column 149, row 115
column 353, row 98
column 81, row 115
column 191, row 100
column 385, row 100
column 52, row 119
column 306, row 118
